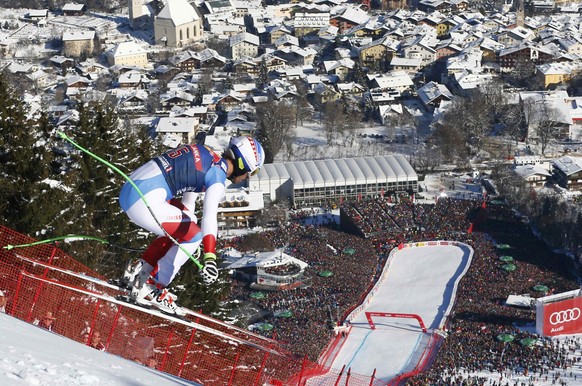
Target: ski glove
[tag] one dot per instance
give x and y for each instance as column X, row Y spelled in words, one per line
column 209, row 272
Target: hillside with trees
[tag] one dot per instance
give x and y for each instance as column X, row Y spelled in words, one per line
column 51, row 189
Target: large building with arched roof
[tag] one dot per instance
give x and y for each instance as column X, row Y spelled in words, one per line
column 328, row 181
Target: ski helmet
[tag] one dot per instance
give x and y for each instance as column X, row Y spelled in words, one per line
column 247, row 155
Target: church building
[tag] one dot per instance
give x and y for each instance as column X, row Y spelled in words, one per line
column 178, row 24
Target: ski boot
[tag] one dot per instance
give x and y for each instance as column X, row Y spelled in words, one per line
column 152, row 294
column 128, row 274
column 134, row 271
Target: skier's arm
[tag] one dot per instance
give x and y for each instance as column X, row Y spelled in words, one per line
column 189, row 201
column 212, row 197
column 214, row 193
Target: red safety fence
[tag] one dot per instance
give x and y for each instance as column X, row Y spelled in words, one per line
column 213, row 354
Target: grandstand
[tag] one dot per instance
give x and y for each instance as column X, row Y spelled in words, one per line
column 319, row 182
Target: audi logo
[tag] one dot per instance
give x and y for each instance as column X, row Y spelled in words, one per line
column 564, row 316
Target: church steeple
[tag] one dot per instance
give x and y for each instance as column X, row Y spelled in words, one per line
column 135, row 11
column 520, row 13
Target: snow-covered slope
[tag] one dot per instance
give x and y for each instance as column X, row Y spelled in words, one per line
column 30, row 355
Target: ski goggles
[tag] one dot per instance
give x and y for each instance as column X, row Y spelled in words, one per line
column 240, row 169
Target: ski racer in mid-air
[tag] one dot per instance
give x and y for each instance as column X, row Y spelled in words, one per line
column 184, row 171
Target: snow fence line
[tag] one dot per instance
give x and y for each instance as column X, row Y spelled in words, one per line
column 179, row 349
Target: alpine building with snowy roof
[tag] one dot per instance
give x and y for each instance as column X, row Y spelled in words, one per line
column 179, row 23
column 567, row 172
column 76, row 42
column 73, row 9
column 534, row 175
column 309, row 21
column 244, row 45
column 128, row 54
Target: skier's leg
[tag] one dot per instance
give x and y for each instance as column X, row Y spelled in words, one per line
column 163, row 246
column 148, row 264
column 158, row 248
column 170, row 264
column 152, row 291
column 169, row 220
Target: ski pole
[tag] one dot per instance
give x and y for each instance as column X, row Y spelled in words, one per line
column 126, row 177
column 68, row 237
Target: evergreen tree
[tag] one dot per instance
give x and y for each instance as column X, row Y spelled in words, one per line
column 263, row 77
column 200, row 91
column 25, row 164
column 228, row 83
column 194, row 295
column 94, row 209
column 368, row 107
column 357, row 75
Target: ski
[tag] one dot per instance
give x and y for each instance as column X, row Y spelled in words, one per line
column 79, row 275
column 155, row 312
column 126, row 291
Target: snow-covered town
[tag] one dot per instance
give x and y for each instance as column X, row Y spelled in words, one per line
column 181, row 68
column 323, row 44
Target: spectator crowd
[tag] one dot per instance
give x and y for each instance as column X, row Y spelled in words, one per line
column 315, row 307
column 480, row 313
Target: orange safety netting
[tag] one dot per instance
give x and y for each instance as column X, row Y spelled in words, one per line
column 209, row 358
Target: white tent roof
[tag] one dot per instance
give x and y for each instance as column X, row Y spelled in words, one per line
column 318, row 179
column 393, row 175
column 335, row 171
column 294, row 174
column 280, row 171
column 261, row 259
column 376, row 169
column 356, row 171
column 369, row 175
column 323, row 171
column 305, row 175
column 344, row 171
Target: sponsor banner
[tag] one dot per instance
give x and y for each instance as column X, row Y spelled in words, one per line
column 563, row 317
